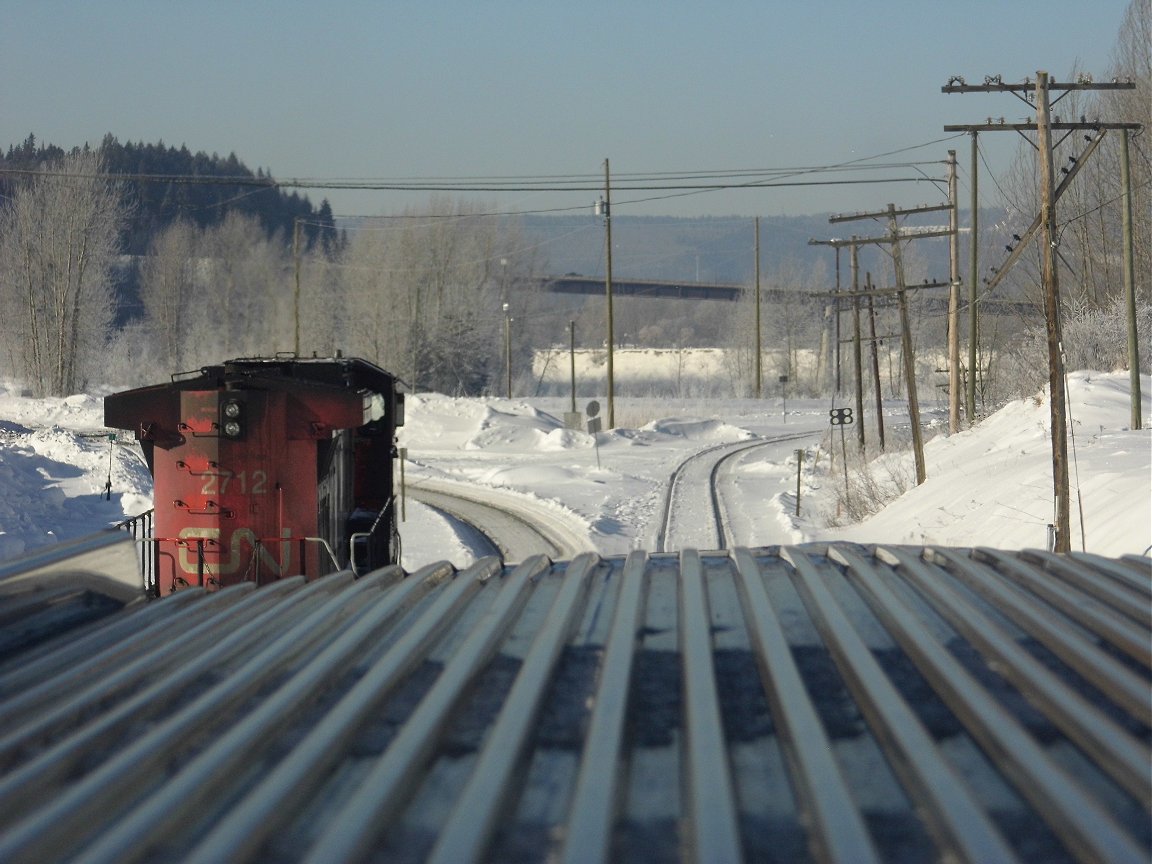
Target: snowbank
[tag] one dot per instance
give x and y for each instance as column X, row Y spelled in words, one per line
column 988, row 486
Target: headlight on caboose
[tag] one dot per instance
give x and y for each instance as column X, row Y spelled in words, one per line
column 232, row 418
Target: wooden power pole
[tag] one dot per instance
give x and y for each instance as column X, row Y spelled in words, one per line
column 857, row 364
column 1137, row 420
column 953, row 302
column 759, row 348
column 906, row 341
column 875, row 362
column 606, row 212
column 973, row 284
column 1038, row 94
column 894, row 239
column 296, row 288
column 1050, row 273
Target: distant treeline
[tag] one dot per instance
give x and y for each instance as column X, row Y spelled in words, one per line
column 179, row 187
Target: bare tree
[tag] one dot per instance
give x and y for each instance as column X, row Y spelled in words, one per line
column 323, row 313
column 427, row 288
column 380, row 328
column 59, row 236
column 740, row 346
column 1132, row 59
column 168, row 289
column 245, row 303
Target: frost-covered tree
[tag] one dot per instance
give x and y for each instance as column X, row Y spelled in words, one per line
column 424, row 293
column 229, row 290
column 1094, row 337
column 791, row 316
column 168, row 286
column 59, row 236
column 245, row 303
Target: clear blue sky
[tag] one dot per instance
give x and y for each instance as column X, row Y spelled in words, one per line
column 398, row 89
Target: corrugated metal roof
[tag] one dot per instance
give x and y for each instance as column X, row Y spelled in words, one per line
column 820, row 703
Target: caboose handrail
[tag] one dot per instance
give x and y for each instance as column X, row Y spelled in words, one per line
column 262, row 542
column 327, row 548
column 148, row 562
column 140, row 528
column 366, row 535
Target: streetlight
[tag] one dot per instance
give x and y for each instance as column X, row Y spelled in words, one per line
column 508, row 349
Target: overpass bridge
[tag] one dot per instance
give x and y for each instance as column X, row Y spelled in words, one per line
column 572, row 283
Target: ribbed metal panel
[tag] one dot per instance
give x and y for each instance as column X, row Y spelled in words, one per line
column 811, row 703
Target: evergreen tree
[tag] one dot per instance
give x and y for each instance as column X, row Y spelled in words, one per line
column 159, row 203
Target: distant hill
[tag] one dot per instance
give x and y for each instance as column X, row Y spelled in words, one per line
column 158, row 202
column 717, row 249
column 704, row 249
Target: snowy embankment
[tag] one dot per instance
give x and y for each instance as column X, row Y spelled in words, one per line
column 988, row 486
column 992, row 485
column 62, row 474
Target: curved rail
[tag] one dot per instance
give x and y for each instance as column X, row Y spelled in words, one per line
column 715, row 457
column 455, row 510
column 516, row 526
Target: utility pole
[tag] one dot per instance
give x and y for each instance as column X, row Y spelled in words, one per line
column 973, row 283
column 835, row 244
column 296, row 291
column 906, row 349
column 572, row 361
column 507, row 352
column 759, row 348
column 875, row 362
column 1130, row 286
column 1050, row 274
column 953, row 302
column 894, row 239
column 606, row 211
column 856, row 358
column 837, row 304
column 1038, row 95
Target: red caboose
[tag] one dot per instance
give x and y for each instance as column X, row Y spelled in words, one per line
column 268, row 467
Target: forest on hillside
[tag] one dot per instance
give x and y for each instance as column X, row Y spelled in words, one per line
column 165, row 184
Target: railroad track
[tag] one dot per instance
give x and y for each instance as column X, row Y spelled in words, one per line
column 516, row 527
column 682, row 524
column 454, row 511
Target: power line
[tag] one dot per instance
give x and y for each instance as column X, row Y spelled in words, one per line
column 675, row 192
column 432, row 185
column 670, row 184
column 638, row 181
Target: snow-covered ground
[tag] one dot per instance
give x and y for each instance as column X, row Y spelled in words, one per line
column 63, row 475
